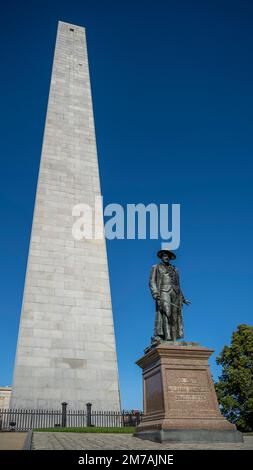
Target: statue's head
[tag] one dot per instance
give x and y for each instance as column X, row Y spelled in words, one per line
column 166, row 256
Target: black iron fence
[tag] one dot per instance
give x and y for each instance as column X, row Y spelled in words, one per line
column 25, row 419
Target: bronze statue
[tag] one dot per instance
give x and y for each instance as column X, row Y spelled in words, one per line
column 165, row 289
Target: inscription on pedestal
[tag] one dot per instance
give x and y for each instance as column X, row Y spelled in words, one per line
column 189, row 392
column 189, row 389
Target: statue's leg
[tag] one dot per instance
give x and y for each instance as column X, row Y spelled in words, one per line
column 158, row 329
column 179, row 319
column 173, row 325
column 166, row 320
column 170, row 317
column 176, row 316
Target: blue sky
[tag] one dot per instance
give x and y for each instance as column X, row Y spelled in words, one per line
column 172, row 94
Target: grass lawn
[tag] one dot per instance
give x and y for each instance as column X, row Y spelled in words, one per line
column 125, row 430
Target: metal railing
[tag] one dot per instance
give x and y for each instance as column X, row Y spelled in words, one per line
column 27, row 419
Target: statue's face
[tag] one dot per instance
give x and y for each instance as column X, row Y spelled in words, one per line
column 165, row 258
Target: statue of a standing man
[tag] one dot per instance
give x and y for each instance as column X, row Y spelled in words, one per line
column 165, row 289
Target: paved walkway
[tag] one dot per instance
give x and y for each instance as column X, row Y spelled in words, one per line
column 91, row 441
column 12, row 440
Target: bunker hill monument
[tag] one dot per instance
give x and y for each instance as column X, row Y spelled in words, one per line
column 66, row 345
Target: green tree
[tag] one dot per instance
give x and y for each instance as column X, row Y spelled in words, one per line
column 235, row 386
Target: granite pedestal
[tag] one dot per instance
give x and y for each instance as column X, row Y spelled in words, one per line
column 180, row 402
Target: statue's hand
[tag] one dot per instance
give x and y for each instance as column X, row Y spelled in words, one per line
column 157, row 297
column 186, row 302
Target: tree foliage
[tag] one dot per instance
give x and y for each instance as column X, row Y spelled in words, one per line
column 235, row 386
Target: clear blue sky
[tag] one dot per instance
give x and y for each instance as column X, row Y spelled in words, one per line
column 172, row 92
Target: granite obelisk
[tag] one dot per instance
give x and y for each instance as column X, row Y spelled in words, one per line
column 66, row 346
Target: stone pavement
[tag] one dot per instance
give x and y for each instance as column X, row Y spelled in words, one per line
column 12, row 440
column 92, row 441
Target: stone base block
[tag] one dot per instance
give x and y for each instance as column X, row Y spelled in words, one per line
column 180, row 403
column 190, row 435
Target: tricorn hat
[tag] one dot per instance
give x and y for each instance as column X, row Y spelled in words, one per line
column 169, row 253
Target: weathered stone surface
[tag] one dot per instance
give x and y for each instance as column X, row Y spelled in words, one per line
column 93, row 441
column 180, row 402
column 66, row 346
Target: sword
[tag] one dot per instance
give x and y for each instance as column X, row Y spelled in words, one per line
column 171, row 303
column 174, row 305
